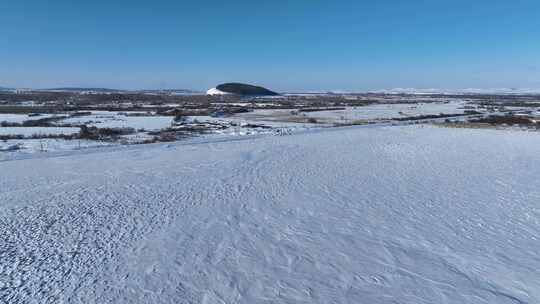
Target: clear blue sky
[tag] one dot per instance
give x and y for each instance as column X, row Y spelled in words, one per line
column 285, row 45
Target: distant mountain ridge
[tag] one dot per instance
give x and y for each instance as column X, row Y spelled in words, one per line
column 81, row 89
column 108, row 90
column 170, row 91
column 466, row 91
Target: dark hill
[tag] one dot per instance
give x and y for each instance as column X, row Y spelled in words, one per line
column 245, row 89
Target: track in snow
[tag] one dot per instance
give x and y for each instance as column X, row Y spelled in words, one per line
column 357, row 215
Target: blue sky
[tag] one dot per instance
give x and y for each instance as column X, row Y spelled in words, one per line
column 285, row 45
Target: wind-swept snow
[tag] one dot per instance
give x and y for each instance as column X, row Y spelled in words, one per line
column 355, row 215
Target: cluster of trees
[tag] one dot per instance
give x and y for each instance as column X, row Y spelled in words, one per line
column 508, row 120
column 95, row 133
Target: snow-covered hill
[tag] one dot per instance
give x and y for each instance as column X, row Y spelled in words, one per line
column 240, row 89
column 355, row 215
column 214, row 91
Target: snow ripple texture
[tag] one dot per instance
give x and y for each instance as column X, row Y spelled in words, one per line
column 355, row 215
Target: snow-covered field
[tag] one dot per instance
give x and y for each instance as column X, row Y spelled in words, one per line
column 106, row 119
column 388, row 111
column 259, row 121
column 23, row 148
column 20, row 118
column 411, row 214
column 30, row 131
column 361, row 113
column 11, row 149
column 239, row 125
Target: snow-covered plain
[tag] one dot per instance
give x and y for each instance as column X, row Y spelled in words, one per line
column 111, row 119
column 411, row 214
column 20, row 118
column 364, row 113
column 389, row 111
column 30, row 131
column 240, row 126
column 28, row 147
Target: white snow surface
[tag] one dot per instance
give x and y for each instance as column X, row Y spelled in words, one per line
column 388, row 111
column 19, row 118
column 106, row 119
column 349, row 114
column 214, row 91
column 32, row 146
column 411, row 214
column 29, row 131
